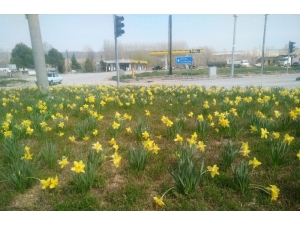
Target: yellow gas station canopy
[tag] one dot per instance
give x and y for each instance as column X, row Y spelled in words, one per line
column 139, row 62
column 177, row 52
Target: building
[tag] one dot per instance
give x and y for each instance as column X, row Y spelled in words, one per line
column 273, row 60
column 126, row 64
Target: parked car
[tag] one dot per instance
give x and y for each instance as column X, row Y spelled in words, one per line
column 157, row 68
column 54, row 78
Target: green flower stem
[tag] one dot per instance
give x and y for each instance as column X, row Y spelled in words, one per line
column 259, row 187
column 167, row 192
column 34, row 178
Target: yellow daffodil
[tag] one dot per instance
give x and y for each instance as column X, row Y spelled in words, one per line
column 224, row 122
column 72, row 139
column 264, row 133
column 298, row 154
column 116, row 147
column 288, row 139
column 145, row 135
column 53, row 182
column 253, row 129
column 78, row 167
column 276, row 135
column 29, row 130
column 254, row 162
column 63, row 162
column 274, row 192
column 191, row 114
column 213, row 170
column 95, row 132
column 112, row 142
column 128, row 129
column 116, row 159
column 178, row 138
column 200, row 118
column 85, row 138
column 27, row 154
column 159, row 201
column 61, row 124
column 115, row 125
column 97, row 146
column 169, row 123
column 46, row 183
column 147, row 112
column 245, row 149
column 201, row 146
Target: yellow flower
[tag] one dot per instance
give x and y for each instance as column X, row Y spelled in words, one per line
column 276, row 135
column 224, row 122
column 191, row 114
column 27, row 154
column 254, row 162
column 264, row 133
column 274, row 192
column 97, row 146
column 201, row 146
column 116, row 147
column 145, row 135
column 116, row 159
column 115, row 125
column 128, row 129
column 112, row 142
column 61, row 125
column 159, row 201
column 46, row 183
column 253, row 129
column 78, row 167
column 95, row 132
column 29, row 131
column 178, row 138
column 213, row 170
column 245, row 149
column 54, row 182
column 147, row 112
column 7, row 133
column 200, row 118
column 169, row 123
column 298, row 154
column 86, row 138
column 155, row 148
column 63, row 162
column 288, row 139
column 72, row 139
column 61, row 134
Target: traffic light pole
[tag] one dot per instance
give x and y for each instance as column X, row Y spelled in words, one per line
column 116, row 53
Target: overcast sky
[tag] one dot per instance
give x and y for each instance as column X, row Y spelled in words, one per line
column 67, row 28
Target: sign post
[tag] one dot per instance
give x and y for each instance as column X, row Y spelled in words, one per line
column 183, row 60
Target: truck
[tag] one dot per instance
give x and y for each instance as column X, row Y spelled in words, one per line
column 284, row 61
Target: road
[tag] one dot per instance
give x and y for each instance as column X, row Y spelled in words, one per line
column 284, row 80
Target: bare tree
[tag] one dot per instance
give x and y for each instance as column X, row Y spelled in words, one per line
column 89, row 53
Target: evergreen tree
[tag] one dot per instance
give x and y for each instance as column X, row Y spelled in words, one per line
column 55, row 58
column 74, row 64
column 89, row 67
column 22, row 56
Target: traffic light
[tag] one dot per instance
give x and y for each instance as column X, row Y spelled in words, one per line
column 291, row 46
column 118, row 26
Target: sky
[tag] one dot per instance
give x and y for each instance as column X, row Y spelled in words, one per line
column 194, row 23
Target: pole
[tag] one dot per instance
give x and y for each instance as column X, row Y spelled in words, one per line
column 263, row 47
column 38, row 52
column 233, row 46
column 170, row 43
column 67, row 61
column 116, row 53
column 287, row 63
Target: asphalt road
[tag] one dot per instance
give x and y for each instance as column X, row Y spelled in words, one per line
column 285, row 80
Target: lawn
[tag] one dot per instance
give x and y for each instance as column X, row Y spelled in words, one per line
column 174, row 148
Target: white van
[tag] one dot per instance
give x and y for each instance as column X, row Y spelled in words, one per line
column 244, row 63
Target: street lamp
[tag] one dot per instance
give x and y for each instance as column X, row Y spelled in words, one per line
column 233, row 45
column 263, row 48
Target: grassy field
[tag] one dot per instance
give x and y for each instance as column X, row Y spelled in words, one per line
column 174, row 148
column 268, row 70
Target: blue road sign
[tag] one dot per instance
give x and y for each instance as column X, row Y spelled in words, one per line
column 184, row 60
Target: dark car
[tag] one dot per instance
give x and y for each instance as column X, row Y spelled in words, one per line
column 157, row 68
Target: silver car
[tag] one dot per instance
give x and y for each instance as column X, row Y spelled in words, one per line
column 54, row 78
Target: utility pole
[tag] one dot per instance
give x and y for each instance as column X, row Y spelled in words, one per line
column 38, row 52
column 263, row 48
column 233, row 46
column 67, row 61
column 170, row 43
